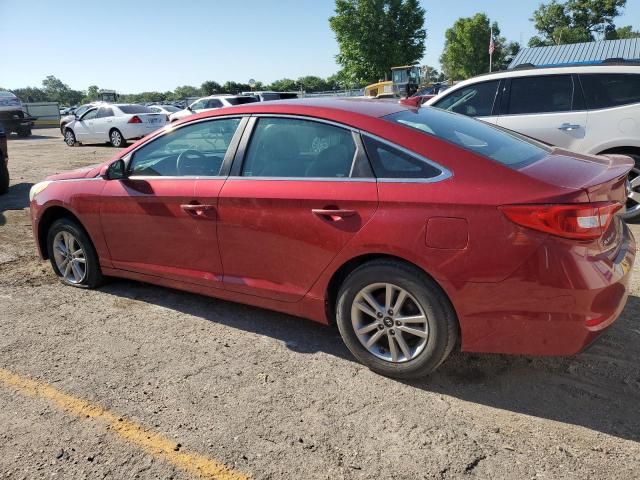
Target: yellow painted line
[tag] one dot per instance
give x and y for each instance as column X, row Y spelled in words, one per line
column 132, row 432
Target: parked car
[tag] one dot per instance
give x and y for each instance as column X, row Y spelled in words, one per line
column 166, row 109
column 412, row 229
column 13, row 116
column 212, row 103
column 266, row 96
column 113, row 123
column 4, row 161
column 586, row 109
column 76, row 113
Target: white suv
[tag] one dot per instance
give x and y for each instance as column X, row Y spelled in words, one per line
column 587, row 109
column 211, row 103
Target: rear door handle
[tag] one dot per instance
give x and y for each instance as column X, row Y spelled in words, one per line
column 567, row 127
column 196, row 209
column 333, row 214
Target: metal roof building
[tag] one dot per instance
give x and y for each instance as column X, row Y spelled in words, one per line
column 588, row 53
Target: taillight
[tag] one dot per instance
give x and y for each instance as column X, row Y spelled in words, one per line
column 135, row 119
column 581, row 221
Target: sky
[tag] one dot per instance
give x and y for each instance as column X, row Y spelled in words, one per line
column 156, row 45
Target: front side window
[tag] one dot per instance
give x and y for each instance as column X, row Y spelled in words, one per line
column 90, row 115
column 193, row 150
column 287, row 147
column 81, row 110
column 509, row 149
column 212, row 103
column 551, row 93
column 473, row 101
column 610, row 89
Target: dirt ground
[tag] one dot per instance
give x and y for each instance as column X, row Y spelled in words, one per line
column 273, row 396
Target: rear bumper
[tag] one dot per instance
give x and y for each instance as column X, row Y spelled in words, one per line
column 557, row 303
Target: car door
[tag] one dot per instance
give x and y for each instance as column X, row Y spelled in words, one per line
column 300, row 189
column 549, row 108
column 103, row 123
column 154, row 222
column 83, row 127
column 479, row 100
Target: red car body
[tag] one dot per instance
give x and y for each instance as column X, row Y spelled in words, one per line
column 514, row 289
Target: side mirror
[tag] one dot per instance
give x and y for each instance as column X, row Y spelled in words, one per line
column 189, row 108
column 114, row 171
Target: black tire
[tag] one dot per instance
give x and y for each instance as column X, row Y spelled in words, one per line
column 633, row 207
column 24, row 131
column 442, row 324
column 4, row 176
column 117, row 139
column 70, row 138
column 92, row 274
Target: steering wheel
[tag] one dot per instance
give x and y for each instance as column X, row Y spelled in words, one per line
column 190, row 160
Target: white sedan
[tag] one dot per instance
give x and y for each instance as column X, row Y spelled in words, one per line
column 113, row 123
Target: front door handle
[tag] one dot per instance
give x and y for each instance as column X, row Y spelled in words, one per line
column 196, row 209
column 568, row 127
column 333, row 214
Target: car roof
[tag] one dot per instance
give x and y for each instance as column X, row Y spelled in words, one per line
column 359, row 105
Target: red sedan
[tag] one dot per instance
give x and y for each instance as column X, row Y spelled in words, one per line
column 415, row 230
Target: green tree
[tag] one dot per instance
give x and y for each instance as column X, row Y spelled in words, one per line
column 622, row 33
column 186, row 91
column 57, row 91
column 30, row 94
column 311, row 83
column 210, row 87
column 375, row 35
column 466, row 48
column 284, row 85
column 575, row 21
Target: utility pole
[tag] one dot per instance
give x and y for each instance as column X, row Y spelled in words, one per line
column 491, row 49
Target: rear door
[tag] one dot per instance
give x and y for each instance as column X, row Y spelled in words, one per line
column 546, row 107
column 103, row 122
column 300, row 189
column 479, row 100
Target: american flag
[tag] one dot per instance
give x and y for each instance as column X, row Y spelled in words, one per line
column 492, row 46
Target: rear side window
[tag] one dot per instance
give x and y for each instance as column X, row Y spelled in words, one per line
column 474, row 101
column 104, row 112
column 391, row 162
column 134, row 109
column 551, row 93
column 288, row 147
column 610, row 89
column 509, row 149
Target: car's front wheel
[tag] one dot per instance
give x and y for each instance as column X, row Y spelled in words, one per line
column 395, row 319
column 4, row 176
column 632, row 212
column 69, row 137
column 72, row 255
column 116, row 139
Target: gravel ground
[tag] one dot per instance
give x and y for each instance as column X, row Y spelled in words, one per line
column 274, row 396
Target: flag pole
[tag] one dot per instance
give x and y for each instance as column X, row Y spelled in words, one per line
column 490, row 50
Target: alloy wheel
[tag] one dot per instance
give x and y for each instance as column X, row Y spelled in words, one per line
column 116, row 138
column 69, row 138
column 389, row 322
column 70, row 257
column 633, row 199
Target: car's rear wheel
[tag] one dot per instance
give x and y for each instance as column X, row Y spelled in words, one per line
column 69, row 137
column 24, row 131
column 72, row 255
column 395, row 319
column 116, row 139
column 633, row 199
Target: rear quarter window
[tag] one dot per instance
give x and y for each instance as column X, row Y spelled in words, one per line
column 610, row 89
column 507, row 148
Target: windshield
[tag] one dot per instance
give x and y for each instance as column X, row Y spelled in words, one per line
column 507, row 148
column 241, row 100
column 134, row 109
